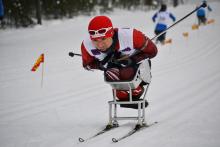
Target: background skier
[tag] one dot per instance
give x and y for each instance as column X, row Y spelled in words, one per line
column 1, row 12
column 202, row 14
column 161, row 17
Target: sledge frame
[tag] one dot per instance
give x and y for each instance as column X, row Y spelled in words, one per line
column 129, row 86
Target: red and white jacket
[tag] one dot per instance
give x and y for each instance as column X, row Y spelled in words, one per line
column 128, row 41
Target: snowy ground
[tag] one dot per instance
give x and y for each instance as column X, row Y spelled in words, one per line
column 183, row 96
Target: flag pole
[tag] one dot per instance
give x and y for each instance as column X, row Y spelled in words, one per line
column 42, row 74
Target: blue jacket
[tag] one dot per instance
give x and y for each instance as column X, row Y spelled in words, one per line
column 1, row 9
column 202, row 11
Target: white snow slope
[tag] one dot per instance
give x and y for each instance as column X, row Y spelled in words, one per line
column 184, row 95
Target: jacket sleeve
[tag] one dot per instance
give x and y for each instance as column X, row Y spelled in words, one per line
column 154, row 17
column 209, row 8
column 147, row 48
column 172, row 17
column 88, row 61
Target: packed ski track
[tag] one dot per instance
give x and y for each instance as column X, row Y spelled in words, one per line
column 183, row 96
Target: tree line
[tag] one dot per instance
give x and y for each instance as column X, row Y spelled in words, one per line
column 24, row 13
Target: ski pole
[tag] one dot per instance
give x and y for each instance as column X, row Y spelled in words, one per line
column 202, row 5
column 72, row 54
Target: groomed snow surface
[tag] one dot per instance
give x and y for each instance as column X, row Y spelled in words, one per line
column 184, row 95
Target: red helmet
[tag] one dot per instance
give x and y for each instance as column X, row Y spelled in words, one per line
column 100, row 27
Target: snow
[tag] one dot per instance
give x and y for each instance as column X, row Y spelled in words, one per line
column 183, row 96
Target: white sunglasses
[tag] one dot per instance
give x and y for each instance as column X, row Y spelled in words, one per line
column 99, row 33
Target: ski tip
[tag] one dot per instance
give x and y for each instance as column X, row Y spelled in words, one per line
column 114, row 140
column 81, row 140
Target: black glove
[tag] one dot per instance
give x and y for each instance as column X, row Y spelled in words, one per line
column 123, row 63
column 95, row 65
column 126, row 62
column 101, row 66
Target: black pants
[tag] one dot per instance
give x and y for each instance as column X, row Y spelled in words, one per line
column 201, row 20
column 162, row 37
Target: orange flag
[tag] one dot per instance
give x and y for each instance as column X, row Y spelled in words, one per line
column 195, row 27
column 38, row 62
column 185, row 34
column 210, row 21
column 168, row 41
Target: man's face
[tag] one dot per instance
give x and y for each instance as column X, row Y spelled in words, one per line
column 102, row 44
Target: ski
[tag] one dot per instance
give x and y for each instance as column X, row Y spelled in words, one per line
column 134, row 130
column 106, row 129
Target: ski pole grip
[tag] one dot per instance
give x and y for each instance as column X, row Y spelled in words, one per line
column 81, row 140
column 71, row 54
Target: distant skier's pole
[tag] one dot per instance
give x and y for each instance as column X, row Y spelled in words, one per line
column 202, row 5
